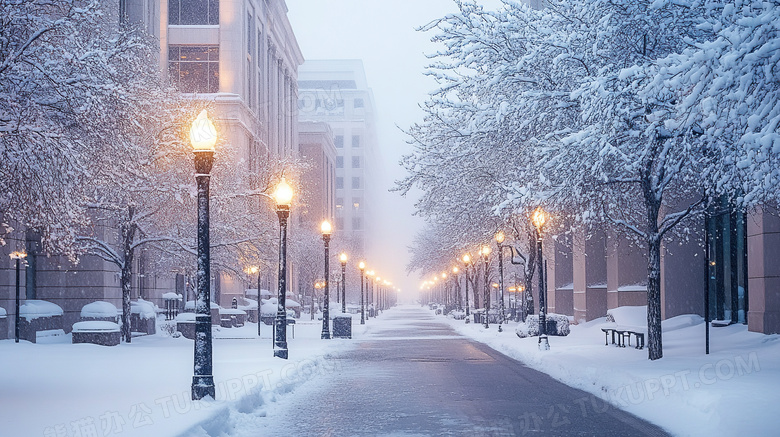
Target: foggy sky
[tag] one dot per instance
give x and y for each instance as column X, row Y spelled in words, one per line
column 382, row 34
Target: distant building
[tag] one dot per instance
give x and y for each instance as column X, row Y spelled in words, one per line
column 336, row 92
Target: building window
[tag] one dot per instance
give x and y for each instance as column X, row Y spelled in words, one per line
column 726, row 234
column 356, row 202
column 193, row 12
column 358, row 103
column 339, row 162
column 355, row 140
column 355, row 183
column 339, row 202
column 339, row 223
column 194, row 69
column 355, row 162
column 338, row 141
column 339, row 183
column 357, row 223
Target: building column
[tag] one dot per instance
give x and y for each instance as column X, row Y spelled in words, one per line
column 764, row 270
column 589, row 261
column 626, row 272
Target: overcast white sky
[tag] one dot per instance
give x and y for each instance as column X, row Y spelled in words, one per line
column 382, row 34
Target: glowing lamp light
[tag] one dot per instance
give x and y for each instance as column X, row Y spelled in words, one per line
column 455, row 270
column 326, row 228
column 203, row 135
column 485, row 250
column 343, row 258
column 18, row 255
column 538, row 218
column 500, row 237
column 283, row 194
column 362, row 265
column 466, row 258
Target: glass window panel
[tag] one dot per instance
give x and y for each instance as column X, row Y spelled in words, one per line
column 339, row 141
column 193, row 77
column 214, row 12
column 173, row 11
column 194, row 12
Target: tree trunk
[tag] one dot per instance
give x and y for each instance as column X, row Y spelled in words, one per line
column 654, row 335
column 128, row 234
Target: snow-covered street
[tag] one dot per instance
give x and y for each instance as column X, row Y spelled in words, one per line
column 407, row 372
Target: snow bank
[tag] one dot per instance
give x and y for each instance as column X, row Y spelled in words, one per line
column 172, row 296
column 269, row 309
column 250, row 305
column 99, row 309
column 143, row 308
column 2, row 312
column 628, row 315
column 33, row 309
column 95, row 325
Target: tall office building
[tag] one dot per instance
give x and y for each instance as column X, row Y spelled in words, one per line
column 336, row 92
column 241, row 54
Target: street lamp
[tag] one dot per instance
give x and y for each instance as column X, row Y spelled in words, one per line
column 485, row 251
column 343, row 259
column 538, row 218
column 326, row 229
column 203, row 138
column 455, row 271
column 499, row 240
column 369, row 287
column 283, row 197
column 18, row 256
column 466, row 261
column 362, row 267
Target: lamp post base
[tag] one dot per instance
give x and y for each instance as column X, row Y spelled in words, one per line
column 544, row 345
column 280, row 353
column 203, row 386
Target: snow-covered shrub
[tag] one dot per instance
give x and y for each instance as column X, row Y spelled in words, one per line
column 531, row 326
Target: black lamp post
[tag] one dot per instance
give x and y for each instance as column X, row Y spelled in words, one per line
column 283, row 197
column 326, row 230
column 362, row 267
column 343, row 259
column 499, row 240
column 466, row 262
column 455, row 271
column 486, row 300
column 538, row 218
column 203, row 137
column 18, row 256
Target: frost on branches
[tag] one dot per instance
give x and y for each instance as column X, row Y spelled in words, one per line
column 632, row 115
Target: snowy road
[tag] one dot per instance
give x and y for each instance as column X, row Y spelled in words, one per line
column 411, row 375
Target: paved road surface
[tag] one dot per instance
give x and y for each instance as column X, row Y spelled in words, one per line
column 417, row 377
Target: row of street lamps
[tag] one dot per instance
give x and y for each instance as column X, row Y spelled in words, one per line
column 203, row 138
column 539, row 218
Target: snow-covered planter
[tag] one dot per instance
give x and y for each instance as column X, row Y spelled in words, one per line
column 143, row 317
column 557, row 324
column 36, row 316
column 229, row 317
column 96, row 332
column 34, row 309
column 99, row 310
column 185, row 323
